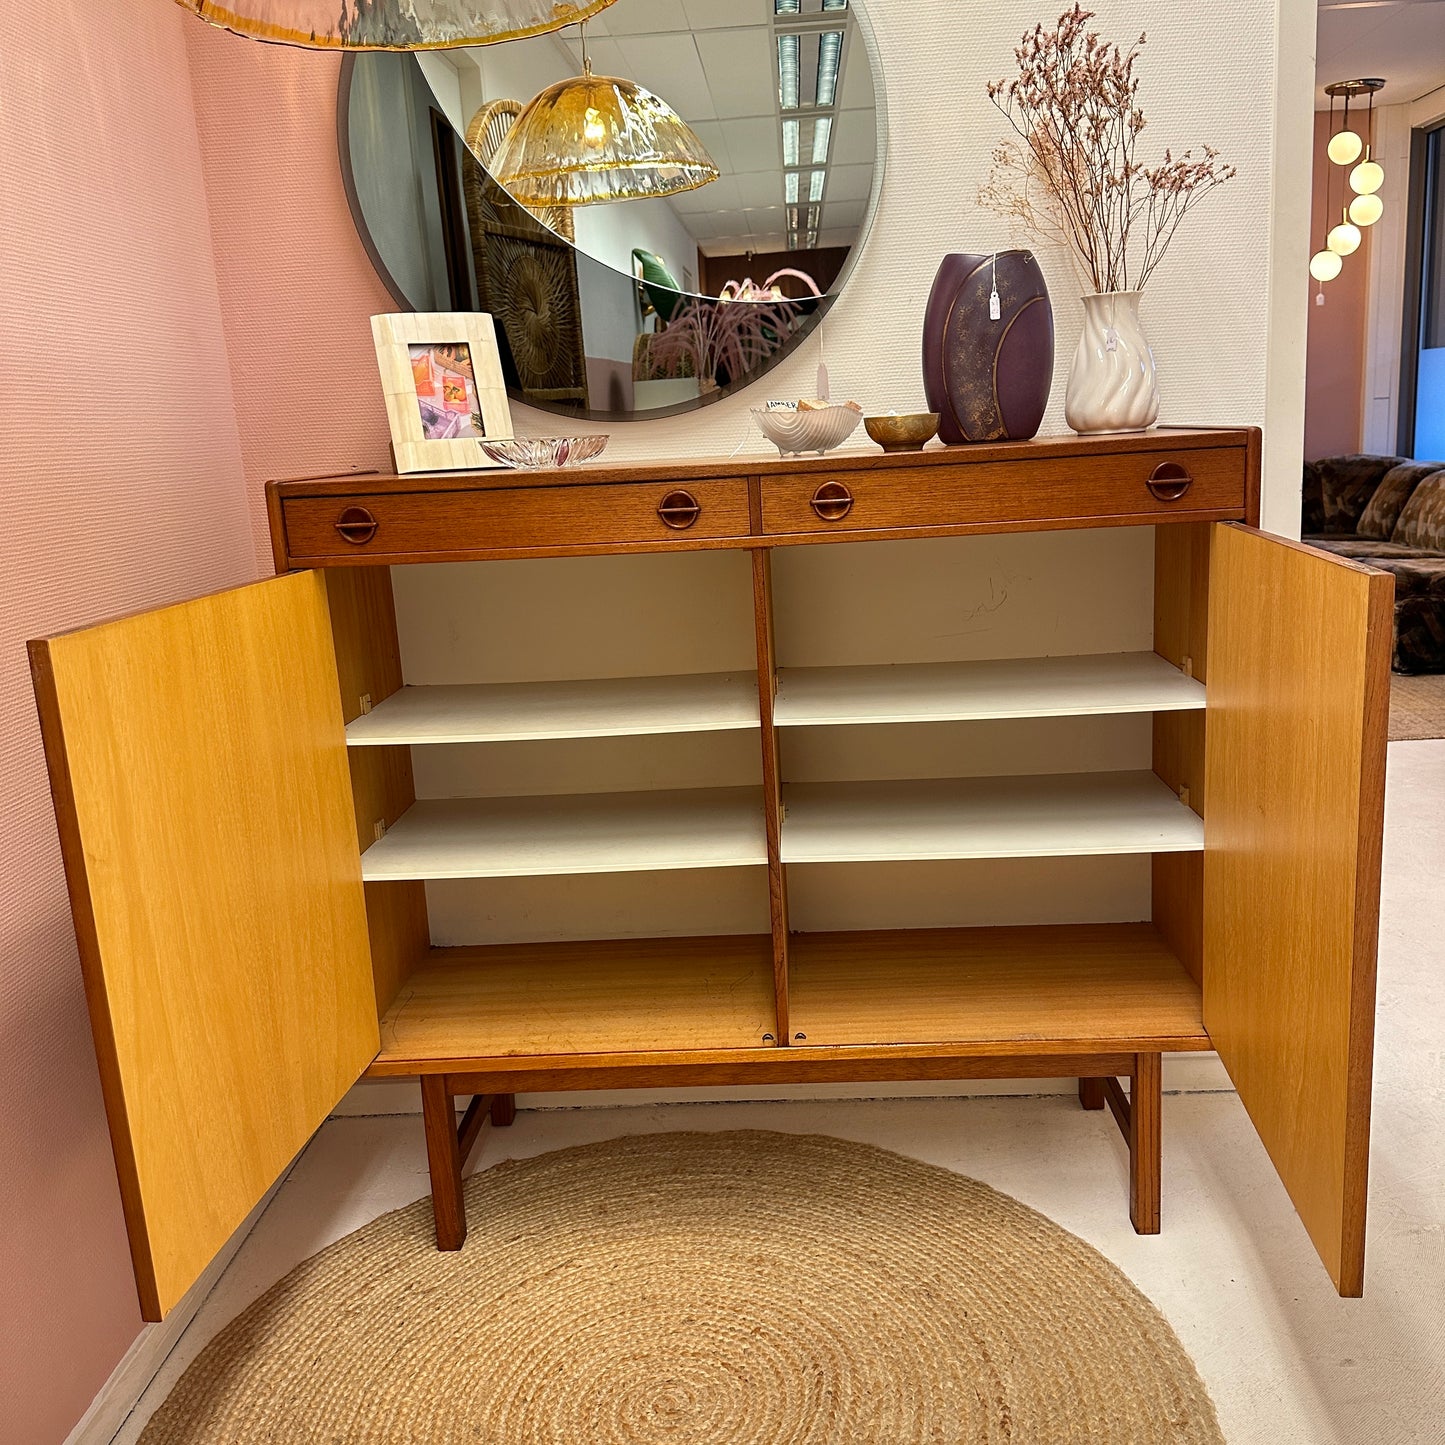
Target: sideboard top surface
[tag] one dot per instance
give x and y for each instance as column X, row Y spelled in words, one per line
column 1037, row 449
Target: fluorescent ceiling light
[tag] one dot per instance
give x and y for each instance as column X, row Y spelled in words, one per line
column 822, row 133
column 830, row 50
column 835, row 4
column 815, row 185
column 790, row 188
column 790, row 143
column 787, row 7
column 788, row 71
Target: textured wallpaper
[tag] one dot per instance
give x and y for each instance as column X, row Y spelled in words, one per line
column 120, row 478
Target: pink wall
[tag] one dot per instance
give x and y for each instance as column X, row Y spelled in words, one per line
column 1335, row 365
column 122, row 484
column 297, row 289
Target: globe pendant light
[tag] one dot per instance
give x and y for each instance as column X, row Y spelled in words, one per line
column 1325, row 265
column 598, row 138
column 392, row 24
column 1344, row 240
column 1345, row 146
column 1366, row 210
column 1367, row 177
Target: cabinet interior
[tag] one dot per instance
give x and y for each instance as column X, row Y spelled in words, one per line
column 991, row 762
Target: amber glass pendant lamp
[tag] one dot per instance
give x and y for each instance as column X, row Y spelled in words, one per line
column 599, row 138
column 392, row 24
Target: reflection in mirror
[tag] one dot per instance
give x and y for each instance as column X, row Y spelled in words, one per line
column 641, row 307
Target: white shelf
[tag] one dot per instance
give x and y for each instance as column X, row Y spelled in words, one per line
column 959, row 691
column 590, row 833
column 1058, row 815
column 515, row 712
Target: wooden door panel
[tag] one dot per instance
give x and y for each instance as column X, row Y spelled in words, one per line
column 1298, row 708
column 199, row 768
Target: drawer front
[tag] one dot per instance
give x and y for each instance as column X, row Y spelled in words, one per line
column 514, row 519
column 1146, row 485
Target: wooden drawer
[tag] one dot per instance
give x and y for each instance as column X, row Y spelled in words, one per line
column 1079, row 490
column 442, row 524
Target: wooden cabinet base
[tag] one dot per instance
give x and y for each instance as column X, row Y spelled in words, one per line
column 449, row 1144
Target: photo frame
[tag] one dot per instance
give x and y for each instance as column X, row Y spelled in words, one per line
column 441, row 375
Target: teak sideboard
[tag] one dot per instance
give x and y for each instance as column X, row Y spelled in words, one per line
column 248, row 861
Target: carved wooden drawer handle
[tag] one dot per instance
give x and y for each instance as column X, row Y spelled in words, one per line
column 356, row 526
column 832, row 501
column 1169, row 481
column 679, row 510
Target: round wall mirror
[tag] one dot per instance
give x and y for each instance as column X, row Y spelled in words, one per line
column 628, row 308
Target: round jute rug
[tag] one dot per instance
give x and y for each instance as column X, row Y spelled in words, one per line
column 714, row 1289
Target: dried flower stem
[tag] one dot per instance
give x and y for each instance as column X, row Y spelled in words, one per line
column 1074, row 174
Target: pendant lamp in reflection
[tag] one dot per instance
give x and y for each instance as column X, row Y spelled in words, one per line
column 392, row 24
column 598, row 138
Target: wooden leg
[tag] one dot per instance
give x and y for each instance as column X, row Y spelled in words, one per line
column 1145, row 1099
column 444, row 1157
column 504, row 1110
column 1091, row 1093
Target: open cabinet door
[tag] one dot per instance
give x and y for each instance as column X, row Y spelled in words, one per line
column 1298, row 707
column 198, row 763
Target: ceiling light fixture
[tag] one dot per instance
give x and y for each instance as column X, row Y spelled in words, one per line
column 1345, row 146
column 598, row 138
column 790, row 142
column 822, row 135
column 830, row 51
column 392, row 24
column 788, row 71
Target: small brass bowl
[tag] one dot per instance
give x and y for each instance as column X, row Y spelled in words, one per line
column 903, row 433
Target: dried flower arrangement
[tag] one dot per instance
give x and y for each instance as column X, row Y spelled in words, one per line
column 1073, row 175
column 722, row 339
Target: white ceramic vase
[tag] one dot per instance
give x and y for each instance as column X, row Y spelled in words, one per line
column 1114, row 385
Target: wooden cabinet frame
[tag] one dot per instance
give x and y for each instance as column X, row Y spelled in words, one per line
column 1289, row 645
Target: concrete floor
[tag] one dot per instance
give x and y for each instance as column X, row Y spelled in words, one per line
column 1287, row 1361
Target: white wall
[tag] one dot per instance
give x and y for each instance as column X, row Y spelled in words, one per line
column 1226, row 313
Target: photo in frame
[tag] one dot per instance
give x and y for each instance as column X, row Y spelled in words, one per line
column 442, row 378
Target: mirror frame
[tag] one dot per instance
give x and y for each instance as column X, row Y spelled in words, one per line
column 829, row 299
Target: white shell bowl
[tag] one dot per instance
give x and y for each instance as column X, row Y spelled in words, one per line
column 807, row 431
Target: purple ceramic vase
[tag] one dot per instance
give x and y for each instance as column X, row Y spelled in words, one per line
column 988, row 377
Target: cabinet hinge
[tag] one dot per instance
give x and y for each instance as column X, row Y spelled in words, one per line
column 1188, row 672
column 365, row 703
column 379, row 829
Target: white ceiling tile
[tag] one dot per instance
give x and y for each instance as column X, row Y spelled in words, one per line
column 742, row 70
column 850, row 183
column 853, row 138
column 718, row 14
column 646, row 17
column 763, row 220
column 760, row 188
column 668, row 65
column 728, row 246
column 755, row 144
column 718, row 195
column 714, row 136
column 606, row 56
column 837, row 214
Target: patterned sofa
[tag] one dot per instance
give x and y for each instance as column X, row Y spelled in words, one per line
column 1390, row 513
